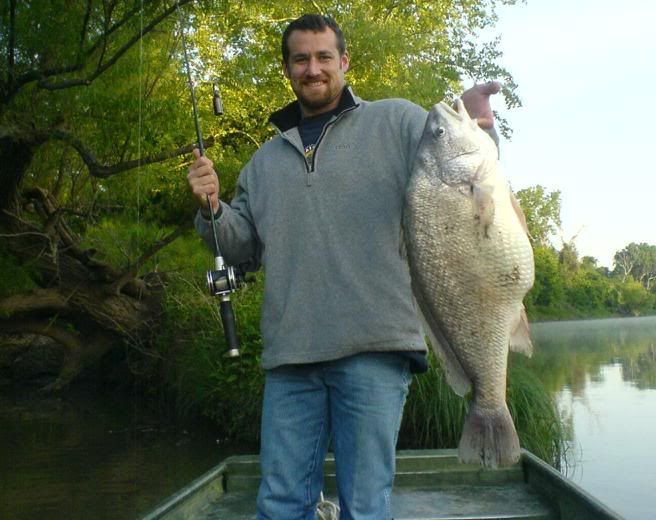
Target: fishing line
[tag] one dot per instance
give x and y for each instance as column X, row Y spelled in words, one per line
column 201, row 144
column 135, row 397
column 224, row 279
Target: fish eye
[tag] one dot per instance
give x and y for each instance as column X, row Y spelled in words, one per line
column 440, row 131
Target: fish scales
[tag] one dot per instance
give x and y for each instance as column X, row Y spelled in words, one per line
column 471, row 264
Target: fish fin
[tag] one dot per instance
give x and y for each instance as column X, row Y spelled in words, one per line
column 483, row 205
column 403, row 252
column 455, row 374
column 461, row 110
column 489, row 437
column 520, row 339
column 519, row 212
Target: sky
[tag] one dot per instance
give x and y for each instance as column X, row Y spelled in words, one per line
column 586, row 74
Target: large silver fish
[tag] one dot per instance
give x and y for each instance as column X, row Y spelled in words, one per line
column 471, row 264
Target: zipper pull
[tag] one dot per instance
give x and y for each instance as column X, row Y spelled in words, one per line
column 309, row 154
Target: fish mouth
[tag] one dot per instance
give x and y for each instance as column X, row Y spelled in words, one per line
column 447, row 111
column 456, row 156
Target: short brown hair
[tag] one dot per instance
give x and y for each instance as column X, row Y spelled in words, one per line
column 316, row 23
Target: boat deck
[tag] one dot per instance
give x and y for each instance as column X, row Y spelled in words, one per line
column 429, row 485
column 452, row 502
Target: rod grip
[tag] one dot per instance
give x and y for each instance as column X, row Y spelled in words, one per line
column 229, row 328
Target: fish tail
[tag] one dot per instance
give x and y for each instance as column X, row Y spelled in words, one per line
column 489, row 437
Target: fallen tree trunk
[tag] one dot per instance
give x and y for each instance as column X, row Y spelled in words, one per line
column 87, row 306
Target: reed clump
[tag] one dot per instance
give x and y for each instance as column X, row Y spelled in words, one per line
column 434, row 414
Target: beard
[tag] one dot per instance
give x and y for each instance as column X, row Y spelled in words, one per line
column 316, row 102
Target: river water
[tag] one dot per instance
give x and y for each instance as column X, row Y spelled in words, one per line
column 603, row 375
column 88, row 455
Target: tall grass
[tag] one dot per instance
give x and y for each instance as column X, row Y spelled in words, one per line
column 202, row 379
column 434, row 414
column 540, row 427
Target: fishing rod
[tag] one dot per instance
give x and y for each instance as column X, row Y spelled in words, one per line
column 224, row 279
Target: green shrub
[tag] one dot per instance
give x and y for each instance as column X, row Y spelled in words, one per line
column 16, row 276
column 434, row 414
column 537, row 419
column 204, row 381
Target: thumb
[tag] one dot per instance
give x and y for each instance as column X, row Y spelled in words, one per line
column 490, row 88
column 196, row 152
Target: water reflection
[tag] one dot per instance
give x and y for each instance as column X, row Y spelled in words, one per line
column 602, row 374
column 92, row 456
column 567, row 353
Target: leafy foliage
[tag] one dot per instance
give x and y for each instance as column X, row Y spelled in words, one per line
column 542, row 212
column 16, row 277
column 227, row 390
column 566, row 287
column 639, row 261
column 84, row 93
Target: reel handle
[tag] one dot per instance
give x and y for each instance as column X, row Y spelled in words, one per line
column 229, row 328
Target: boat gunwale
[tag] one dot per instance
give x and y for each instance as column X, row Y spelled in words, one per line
column 180, row 496
column 534, row 466
column 564, row 495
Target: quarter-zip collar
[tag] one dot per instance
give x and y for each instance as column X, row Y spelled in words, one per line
column 289, row 117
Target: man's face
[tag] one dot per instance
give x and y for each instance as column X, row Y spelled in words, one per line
column 315, row 70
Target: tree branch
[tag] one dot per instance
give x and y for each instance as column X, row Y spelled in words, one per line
column 57, row 332
column 246, row 134
column 11, row 43
column 42, row 76
column 79, row 353
column 103, row 171
column 37, row 301
column 83, row 34
column 102, row 67
column 133, row 271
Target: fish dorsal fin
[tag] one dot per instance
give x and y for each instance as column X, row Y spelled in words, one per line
column 455, row 374
column 519, row 212
column 520, row 339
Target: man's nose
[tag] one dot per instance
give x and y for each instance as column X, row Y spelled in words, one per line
column 313, row 68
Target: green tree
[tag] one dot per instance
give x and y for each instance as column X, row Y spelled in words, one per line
column 639, row 261
column 634, row 299
column 542, row 212
column 569, row 259
column 587, row 291
column 548, row 293
column 96, row 130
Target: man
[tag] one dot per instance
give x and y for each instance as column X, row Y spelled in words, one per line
column 319, row 207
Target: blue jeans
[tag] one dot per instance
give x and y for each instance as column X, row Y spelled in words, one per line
column 358, row 403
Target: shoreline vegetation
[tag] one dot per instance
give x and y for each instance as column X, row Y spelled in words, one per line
column 97, row 252
column 184, row 368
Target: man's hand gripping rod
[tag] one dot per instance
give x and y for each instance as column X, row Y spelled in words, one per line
column 224, row 279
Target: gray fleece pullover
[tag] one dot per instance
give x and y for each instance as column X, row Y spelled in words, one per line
column 327, row 233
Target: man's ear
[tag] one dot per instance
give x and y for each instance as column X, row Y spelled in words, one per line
column 345, row 61
column 285, row 69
